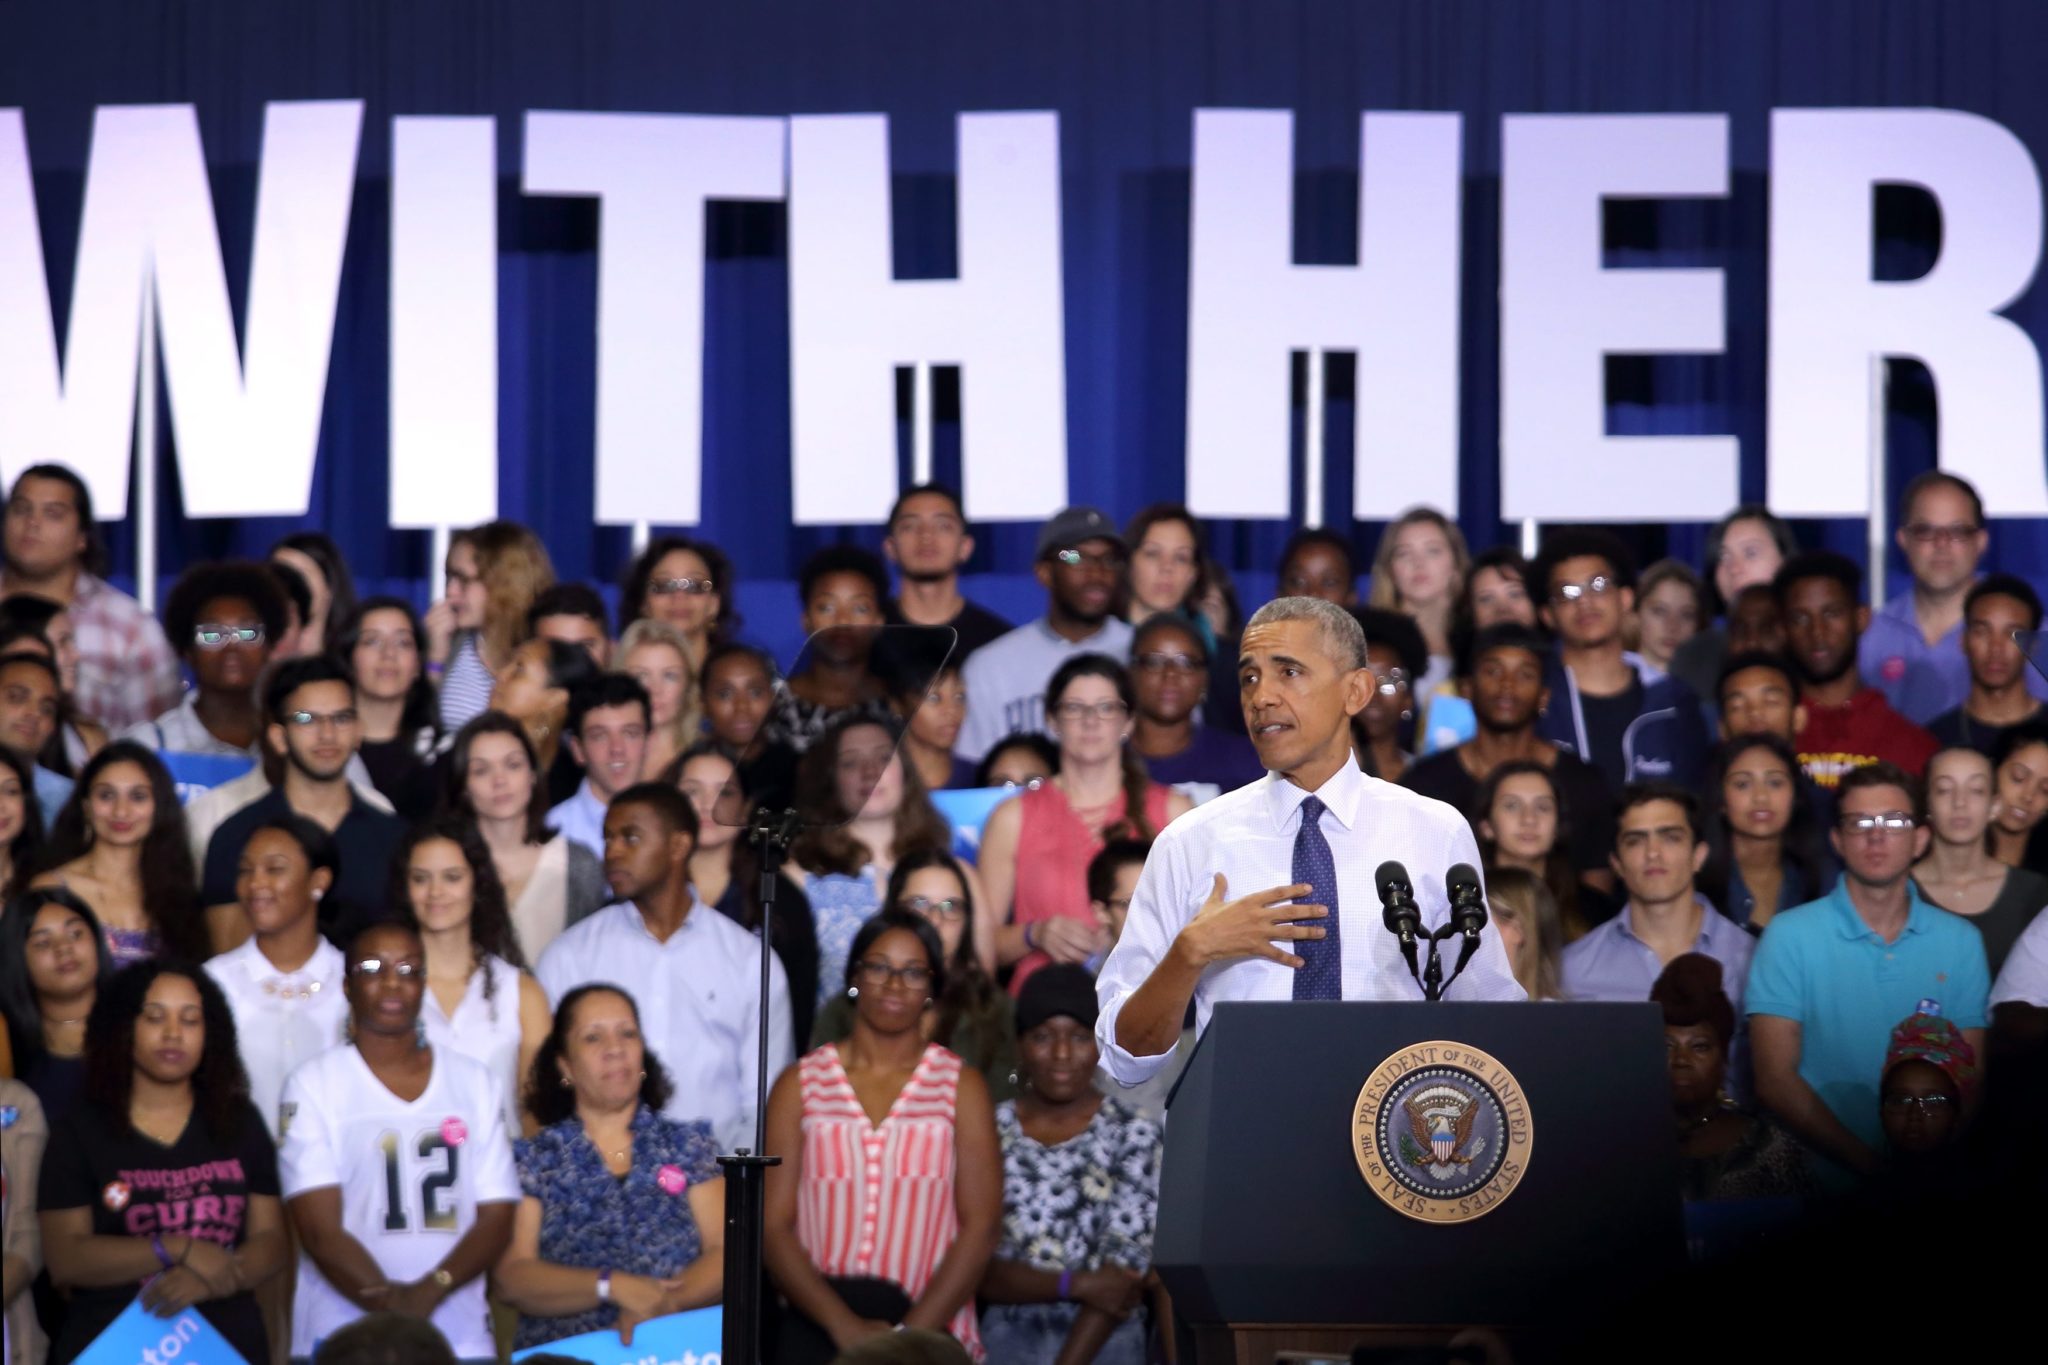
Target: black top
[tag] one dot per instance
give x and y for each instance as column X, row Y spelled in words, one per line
column 1222, row 710
column 2023, row 895
column 198, row 1186
column 977, row 626
column 1607, row 720
column 58, row 1082
column 769, row 776
column 403, row 775
column 795, row 940
column 1956, row 729
column 1589, row 805
column 367, row 839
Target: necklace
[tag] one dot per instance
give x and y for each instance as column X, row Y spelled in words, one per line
column 154, row 1135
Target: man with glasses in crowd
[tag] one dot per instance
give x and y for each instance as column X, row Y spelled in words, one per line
column 928, row 541
column 1602, row 708
column 127, row 670
column 313, row 728
column 1081, row 560
column 227, row 618
column 1913, row 650
column 1831, row 978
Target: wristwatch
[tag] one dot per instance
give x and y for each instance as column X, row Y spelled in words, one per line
column 604, row 1285
column 443, row 1281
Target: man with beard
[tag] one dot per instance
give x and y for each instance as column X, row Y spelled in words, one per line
column 1602, row 708
column 1080, row 564
column 928, row 542
column 311, row 708
column 694, row 973
column 1999, row 605
column 1504, row 679
column 1847, row 725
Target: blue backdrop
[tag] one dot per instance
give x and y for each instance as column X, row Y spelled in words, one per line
column 1125, row 77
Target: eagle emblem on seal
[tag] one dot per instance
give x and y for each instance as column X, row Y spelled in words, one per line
column 1439, row 1138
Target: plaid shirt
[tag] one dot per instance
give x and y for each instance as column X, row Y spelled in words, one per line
column 127, row 671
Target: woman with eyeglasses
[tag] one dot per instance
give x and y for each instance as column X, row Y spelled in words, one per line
column 1958, row 872
column 224, row 619
column 1035, row 847
column 1170, row 681
column 725, row 870
column 493, row 573
column 163, row 1185
column 120, row 844
column 687, row 584
column 394, row 702
column 1383, row 733
column 886, row 1209
column 973, row 1017
column 1020, row 762
column 863, row 810
column 1929, row 1071
column 396, row 1167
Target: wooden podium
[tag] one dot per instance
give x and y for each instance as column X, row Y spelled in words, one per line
column 1273, row 1239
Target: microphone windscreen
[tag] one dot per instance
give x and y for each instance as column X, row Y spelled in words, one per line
column 1461, row 877
column 1392, row 878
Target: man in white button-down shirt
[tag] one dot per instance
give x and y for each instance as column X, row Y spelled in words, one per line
column 1302, row 677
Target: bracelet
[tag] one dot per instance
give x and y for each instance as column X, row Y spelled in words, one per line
column 435, row 669
column 1028, row 944
column 1066, row 1285
column 163, row 1256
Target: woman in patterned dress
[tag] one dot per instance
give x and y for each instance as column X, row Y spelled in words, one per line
column 623, row 1214
column 887, row 1203
column 1080, row 1194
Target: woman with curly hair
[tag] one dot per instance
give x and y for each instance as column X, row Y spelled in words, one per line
column 623, row 1214
column 120, row 844
column 493, row 573
column 224, row 619
column 164, row 1182
column 480, row 999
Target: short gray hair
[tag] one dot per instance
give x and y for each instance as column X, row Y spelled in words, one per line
column 1337, row 630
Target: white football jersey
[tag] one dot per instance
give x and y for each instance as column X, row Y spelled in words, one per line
column 411, row 1177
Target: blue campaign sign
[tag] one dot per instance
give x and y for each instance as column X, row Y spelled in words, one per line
column 139, row 1337
column 967, row 810
column 196, row 773
column 692, row 1338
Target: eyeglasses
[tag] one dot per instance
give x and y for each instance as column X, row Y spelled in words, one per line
column 220, row 637
column 948, row 908
column 310, row 720
column 1599, row 585
column 405, row 969
column 875, row 975
column 1074, row 712
column 1390, row 682
column 1926, row 1104
column 1029, row 784
column 1922, row 533
column 1886, row 822
column 1163, row 663
column 1091, row 559
column 692, row 587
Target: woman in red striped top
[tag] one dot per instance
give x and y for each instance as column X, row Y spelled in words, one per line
column 886, row 1206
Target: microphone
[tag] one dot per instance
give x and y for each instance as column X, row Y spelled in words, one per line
column 1398, row 899
column 1468, row 901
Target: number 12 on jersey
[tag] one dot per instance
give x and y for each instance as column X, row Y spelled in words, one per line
column 435, row 1176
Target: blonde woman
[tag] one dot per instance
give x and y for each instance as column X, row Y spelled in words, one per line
column 654, row 654
column 1526, row 919
column 1419, row 569
column 494, row 572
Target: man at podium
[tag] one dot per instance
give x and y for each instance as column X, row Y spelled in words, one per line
column 1310, row 833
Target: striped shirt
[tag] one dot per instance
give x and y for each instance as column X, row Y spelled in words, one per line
column 875, row 1201
column 466, row 686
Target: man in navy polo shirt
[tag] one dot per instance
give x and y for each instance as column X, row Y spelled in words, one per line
column 1833, row 976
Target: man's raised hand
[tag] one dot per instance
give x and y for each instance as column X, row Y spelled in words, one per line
column 1251, row 926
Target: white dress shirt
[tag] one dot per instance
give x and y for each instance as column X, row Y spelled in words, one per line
column 2023, row 980
column 281, row 1018
column 699, row 998
column 581, row 818
column 1248, row 836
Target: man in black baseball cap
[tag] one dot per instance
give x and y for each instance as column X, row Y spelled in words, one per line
column 1081, row 561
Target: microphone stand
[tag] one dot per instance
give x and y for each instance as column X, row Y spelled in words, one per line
column 746, row 1171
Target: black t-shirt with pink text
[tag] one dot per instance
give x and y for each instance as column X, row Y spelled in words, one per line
column 199, row 1186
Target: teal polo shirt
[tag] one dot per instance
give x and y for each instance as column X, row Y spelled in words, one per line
column 1821, row 965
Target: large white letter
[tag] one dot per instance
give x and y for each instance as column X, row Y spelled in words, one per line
column 653, row 174
column 1829, row 317
column 852, row 323
column 444, row 321
column 1249, row 306
column 1561, row 315
column 246, row 434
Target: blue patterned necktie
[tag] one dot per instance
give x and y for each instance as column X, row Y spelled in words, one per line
column 1322, row 975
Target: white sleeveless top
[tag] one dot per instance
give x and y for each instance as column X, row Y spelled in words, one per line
column 542, row 909
column 487, row 1030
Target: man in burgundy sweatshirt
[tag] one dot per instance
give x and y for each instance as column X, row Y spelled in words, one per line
column 1847, row 725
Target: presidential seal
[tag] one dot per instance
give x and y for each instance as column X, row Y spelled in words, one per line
column 1442, row 1132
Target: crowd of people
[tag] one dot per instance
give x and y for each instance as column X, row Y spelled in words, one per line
column 359, row 962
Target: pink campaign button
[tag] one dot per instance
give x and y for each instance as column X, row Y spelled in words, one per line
column 1893, row 669
column 454, row 1131
column 672, row 1179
